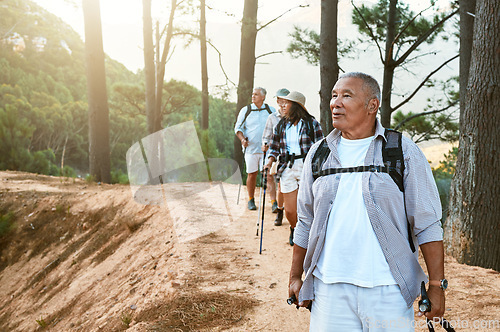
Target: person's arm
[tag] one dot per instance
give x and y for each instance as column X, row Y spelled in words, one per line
column 243, row 139
column 434, row 260
column 295, row 280
column 267, row 133
column 238, row 127
column 305, row 217
column 274, row 147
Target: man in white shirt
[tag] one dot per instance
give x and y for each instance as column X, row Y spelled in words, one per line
column 356, row 231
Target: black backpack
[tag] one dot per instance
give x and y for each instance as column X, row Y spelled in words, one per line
column 392, row 155
column 308, row 123
column 249, row 110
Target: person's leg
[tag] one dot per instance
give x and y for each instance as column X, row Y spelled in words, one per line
column 279, row 218
column 252, row 165
column 291, row 207
column 271, row 187
column 251, row 182
column 280, row 198
column 289, row 188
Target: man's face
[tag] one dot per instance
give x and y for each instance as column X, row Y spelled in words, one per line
column 281, row 104
column 257, row 97
column 350, row 111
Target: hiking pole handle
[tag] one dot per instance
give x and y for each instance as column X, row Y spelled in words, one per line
column 291, row 300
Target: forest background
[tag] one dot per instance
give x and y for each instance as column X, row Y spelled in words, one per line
column 44, row 120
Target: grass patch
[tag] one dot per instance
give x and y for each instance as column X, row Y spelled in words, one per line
column 126, row 319
column 198, row 310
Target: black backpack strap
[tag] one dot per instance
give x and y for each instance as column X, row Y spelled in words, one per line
column 319, row 158
column 249, row 110
column 310, row 128
column 247, row 113
column 392, row 154
column 280, row 126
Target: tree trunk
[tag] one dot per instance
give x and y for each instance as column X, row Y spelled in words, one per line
column 247, row 66
column 466, row 34
column 204, row 70
column 160, row 74
column 99, row 155
column 328, row 62
column 149, row 65
column 472, row 230
column 389, row 66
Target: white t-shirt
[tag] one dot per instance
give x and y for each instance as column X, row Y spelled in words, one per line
column 352, row 253
column 292, row 138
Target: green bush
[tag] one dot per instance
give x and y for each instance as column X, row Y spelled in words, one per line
column 117, row 176
column 6, row 223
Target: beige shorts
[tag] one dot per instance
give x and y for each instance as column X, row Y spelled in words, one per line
column 253, row 162
column 290, row 178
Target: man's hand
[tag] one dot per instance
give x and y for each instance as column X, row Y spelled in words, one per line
column 294, row 289
column 434, row 259
column 244, row 142
column 295, row 280
column 264, row 148
column 436, row 296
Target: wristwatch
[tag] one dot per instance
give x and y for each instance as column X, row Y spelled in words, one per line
column 443, row 283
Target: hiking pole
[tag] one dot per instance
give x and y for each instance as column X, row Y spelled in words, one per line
column 239, row 187
column 263, row 205
column 424, row 305
column 260, row 194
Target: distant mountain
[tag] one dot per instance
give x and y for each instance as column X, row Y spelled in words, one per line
column 38, row 47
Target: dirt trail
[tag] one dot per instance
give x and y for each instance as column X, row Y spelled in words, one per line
column 87, row 257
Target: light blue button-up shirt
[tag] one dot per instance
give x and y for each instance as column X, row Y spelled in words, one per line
column 253, row 127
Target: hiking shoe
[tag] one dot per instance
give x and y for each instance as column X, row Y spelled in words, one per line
column 274, row 208
column 251, row 204
column 290, row 239
column 279, row 217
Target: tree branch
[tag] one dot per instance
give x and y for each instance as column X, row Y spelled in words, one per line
column 424, row 114
column 213, row 46
column 371, row 31
column 408, row 24
column 220, row 62
column 425, row 136
column 423, row 82
column 278, row 17
column 423, row 38
column 268, row 53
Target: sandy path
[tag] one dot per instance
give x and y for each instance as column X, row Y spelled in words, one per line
column 202, row 245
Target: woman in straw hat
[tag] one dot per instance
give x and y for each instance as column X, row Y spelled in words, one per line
column 292, row 138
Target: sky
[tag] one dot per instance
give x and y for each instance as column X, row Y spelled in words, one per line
column 122, row 40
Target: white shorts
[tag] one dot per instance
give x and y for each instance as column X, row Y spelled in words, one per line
column 253, row 162
column 290, row 178
column 347, row 307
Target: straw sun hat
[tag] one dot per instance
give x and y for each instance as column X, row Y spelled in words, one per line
column 297, row 97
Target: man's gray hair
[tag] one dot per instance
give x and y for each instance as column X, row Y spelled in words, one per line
column 368, row 81
column 262, row 90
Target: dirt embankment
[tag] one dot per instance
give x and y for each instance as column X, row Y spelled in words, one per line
column 87, row 257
